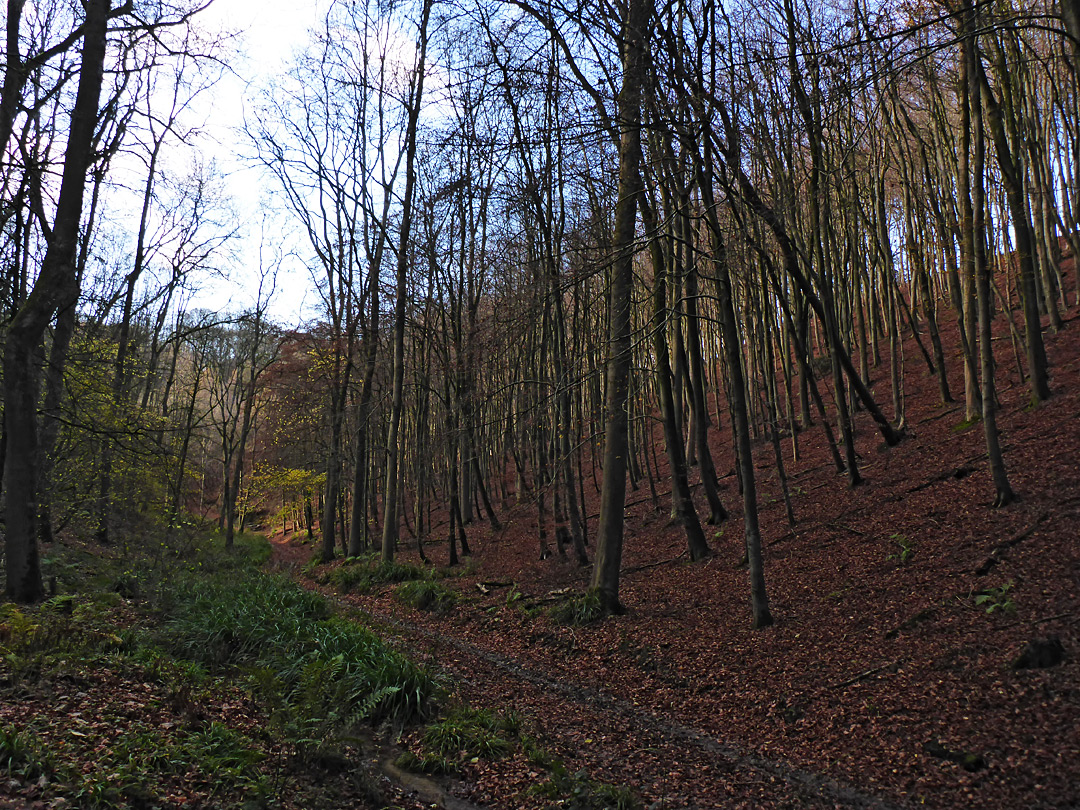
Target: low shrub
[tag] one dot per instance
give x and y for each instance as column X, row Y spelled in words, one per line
column 363, row 574
column 578, row 792
column 470, row 732
column 434, row 764
column 426, row 595
column 579, row 609
column 22, row 755
column 267, row 623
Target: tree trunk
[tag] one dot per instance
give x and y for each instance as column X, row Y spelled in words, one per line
column 358, row 528
column 609, row 541
column 1014, row 191
column 970, row 80
column 57, row 282
column 717, row 513
column 759, row 600
column 393, row 440
column 682, row 503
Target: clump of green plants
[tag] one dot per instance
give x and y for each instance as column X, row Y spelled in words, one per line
column 17, row 630
column 345, row 577
column 363, row 574
column 387, row 572
column 577, row 791
column 536, row 754
column 268, row 623
column 579, row 609
column 61, row 629
column 312, row 565
column 425, row 594
column 319, row 712
column 467, row 569
column 237, row 620
column 429, row 763
column 224, row 753
column 195, row 626
column 122, row 786
column 999, row 598
column 960, row 427
column 22, row 754
column 471, row 732
column 463, row 733
column 905, row 549
column 128, row 769
column 250, row 549
column 214, row 749
column 157, row 665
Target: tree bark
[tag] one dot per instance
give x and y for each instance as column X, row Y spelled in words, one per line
column 971, row 81
column 682, row 503
column 393, row 439
column 56, row 283
column 1025, row 242
column 759, row 600
column 609, row 541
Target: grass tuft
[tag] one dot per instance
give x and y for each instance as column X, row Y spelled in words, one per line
column 470, row 732
column 426, row 595
column 363, row 574
column 579, row 609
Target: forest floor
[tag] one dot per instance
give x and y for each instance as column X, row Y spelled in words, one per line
column 890, row 678
column 893, row 676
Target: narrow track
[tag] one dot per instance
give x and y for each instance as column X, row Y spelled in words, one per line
column 754, row 780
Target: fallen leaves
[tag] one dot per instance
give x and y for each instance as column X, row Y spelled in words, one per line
column 869, row 660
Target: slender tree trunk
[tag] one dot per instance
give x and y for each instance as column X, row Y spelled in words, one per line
column 57, row 282
column 393, row 439
column 759, row 600
column 717, row 513
column 971, row 82
column 609, row 541
column 338, row 394
column 358, row 528
column 682, row 503
column 1010, row 173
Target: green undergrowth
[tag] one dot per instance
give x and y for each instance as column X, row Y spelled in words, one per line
column 466, row 732
column 157, row 645
column 462, row 735
column 998, row 598
column 22, row 755
column 579, row 609
column 576, row 791
column 320, row 675
column 465, row 736
column 366, row 573
column 426, row 595
column 136, row 765
column 960, row 427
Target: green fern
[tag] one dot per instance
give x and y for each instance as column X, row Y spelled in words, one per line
column 998, row 598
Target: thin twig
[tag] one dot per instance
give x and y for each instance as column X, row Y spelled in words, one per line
column 647, row 566
column 864, row 675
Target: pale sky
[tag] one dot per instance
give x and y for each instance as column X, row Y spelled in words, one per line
column 271, row 31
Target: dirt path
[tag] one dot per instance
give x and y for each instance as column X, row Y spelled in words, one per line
column 686, row 763
column 901, row 608
column 671, row 765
